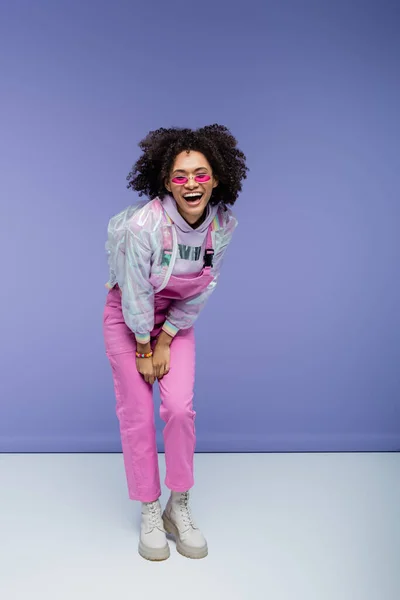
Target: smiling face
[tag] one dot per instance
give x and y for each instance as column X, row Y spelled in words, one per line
column 191, row 183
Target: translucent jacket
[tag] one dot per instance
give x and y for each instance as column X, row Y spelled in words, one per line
column 137, row 263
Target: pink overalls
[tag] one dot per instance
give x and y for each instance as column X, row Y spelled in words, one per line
column 134, row 397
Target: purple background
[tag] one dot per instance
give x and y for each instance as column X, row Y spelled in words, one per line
column 299, row 347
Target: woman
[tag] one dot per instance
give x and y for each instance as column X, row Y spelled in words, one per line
column 165, row 257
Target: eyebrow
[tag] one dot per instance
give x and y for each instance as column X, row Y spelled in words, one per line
column 183, row 171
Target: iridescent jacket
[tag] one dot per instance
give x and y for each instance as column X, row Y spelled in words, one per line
column 136, row 254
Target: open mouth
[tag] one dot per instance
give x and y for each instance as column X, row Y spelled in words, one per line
column 194, row 198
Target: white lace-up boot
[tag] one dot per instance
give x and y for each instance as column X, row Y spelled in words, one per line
column 178, row 521
column 153, row 543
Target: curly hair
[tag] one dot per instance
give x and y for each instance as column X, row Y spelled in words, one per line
column 160, row 148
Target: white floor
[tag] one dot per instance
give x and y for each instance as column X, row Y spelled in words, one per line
column 279, row 527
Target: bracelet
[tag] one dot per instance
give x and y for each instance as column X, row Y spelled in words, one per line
column 148, row 355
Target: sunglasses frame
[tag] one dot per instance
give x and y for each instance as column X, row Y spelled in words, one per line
column 204, row 178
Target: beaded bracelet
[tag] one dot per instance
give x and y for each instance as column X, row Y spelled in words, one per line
column 148, row 355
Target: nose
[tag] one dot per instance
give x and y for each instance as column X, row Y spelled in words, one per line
column 191, row 183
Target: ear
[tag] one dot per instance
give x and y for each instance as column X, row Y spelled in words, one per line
column 215, row 183
column 167, row 186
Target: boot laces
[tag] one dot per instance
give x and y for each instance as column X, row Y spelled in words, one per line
column 186, row 512
column 155, row 515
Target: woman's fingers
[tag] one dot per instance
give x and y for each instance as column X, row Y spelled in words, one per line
column 150, row 379
column 159, row 370
column 163, row 371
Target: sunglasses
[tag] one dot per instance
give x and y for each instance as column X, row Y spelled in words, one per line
column 202, row 178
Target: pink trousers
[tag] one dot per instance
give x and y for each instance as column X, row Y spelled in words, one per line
column 135, row 408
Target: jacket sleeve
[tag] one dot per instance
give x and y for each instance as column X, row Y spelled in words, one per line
column 137, row 291
column 183, row 313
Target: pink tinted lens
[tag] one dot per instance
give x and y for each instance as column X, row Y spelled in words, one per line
column 199, row 178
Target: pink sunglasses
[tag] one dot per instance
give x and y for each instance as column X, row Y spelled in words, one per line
column 202, row 178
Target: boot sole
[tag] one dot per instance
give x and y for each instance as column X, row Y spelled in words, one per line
column 154, row 554
column 181, row 547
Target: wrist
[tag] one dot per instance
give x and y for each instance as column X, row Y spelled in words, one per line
column 144, row 356
column 143, row 348
column 164, row 339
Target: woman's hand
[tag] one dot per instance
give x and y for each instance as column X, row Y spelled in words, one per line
column 146, row 368
column 162, row 355
column 145, row 365
column 161, row 358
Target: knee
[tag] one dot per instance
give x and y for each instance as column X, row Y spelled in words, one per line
column 178, row 412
